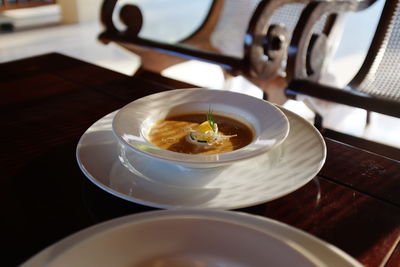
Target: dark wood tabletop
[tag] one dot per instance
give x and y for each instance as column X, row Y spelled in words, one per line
column 48, row 102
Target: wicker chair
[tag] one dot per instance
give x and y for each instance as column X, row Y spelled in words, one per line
column 376, row 86
column 243, row 37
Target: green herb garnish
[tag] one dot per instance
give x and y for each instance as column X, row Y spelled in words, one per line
column 211, row 120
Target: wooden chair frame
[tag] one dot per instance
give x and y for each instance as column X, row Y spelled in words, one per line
column 265, row 45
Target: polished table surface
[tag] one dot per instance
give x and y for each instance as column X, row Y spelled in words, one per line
column 48, row 102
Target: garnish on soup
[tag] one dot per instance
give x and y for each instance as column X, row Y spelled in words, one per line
column 207, row 132
column 189, row 133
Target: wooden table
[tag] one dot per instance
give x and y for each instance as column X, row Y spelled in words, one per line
column 47, row 103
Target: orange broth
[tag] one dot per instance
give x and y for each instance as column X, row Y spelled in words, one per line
column 171, row 133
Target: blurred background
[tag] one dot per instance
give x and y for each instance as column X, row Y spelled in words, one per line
column 71, row 27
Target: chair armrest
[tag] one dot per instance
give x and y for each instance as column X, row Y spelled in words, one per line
column 185, row 51
column 345, row 96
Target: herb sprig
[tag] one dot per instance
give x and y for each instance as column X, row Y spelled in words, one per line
column 211, row 120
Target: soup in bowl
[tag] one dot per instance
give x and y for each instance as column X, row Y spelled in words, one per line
column 199, row 128
column 198, row 133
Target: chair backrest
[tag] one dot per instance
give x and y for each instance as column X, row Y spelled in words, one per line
column 379, row 74
column 228, row 35
column 263, row 22
column 376, row 86
column 248, row 37
column 235, row 17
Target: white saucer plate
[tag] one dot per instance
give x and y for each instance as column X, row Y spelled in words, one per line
column 191, row 238
column 264, row 178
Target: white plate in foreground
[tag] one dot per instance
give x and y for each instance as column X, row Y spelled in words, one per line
column 266, row 177
column 133, row 122
column 177, row 238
